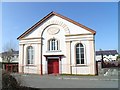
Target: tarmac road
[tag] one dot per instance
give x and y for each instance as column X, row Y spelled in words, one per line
column 50, row 81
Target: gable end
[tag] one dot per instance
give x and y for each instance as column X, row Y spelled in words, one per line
column 56, row 14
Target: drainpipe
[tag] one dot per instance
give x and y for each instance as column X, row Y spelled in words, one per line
column 70, row 58
column 23, row 59
column 41, row 57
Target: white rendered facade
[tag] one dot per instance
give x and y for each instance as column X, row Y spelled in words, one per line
column 63, row 35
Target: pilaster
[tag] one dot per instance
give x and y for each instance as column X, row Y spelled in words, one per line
column 92, row 58
column 39, row 58
column 68, row 56
column 21, row 58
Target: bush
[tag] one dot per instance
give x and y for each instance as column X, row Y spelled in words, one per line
column 9, row 82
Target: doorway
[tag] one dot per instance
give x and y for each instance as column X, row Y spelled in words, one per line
column 53, row 66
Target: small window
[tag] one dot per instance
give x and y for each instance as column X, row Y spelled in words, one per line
column 30, row 55
column 80, row 54
column 53, row 45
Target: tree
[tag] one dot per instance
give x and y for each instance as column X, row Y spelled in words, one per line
column 8, row 55
column 102, row 61
column 8, row 52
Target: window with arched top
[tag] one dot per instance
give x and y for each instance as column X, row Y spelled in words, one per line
column 80, row 57
column 53, row 45
column 30, row 55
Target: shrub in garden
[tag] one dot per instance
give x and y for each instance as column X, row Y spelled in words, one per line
column 9, row 82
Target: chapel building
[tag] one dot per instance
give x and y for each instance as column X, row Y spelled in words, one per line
column 57, row 45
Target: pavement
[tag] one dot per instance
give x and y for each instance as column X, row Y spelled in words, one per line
column 51, row 81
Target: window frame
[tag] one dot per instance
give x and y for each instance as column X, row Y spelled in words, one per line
column 30, row 60
column 80, row 54
column 53, row 44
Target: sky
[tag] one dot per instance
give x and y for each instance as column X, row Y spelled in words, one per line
column 99, row 16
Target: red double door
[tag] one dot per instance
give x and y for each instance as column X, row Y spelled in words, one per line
column 53, row 66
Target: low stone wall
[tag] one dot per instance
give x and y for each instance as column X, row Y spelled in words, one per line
column 111, row 71
column 108, row 72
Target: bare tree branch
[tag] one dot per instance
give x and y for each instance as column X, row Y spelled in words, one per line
column 8, row 53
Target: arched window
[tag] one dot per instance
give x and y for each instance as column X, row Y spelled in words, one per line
column 30, row 55
column 80, row 57
column 53, row 45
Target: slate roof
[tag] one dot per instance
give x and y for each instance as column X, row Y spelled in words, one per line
column 14, row 52
column 107, row 52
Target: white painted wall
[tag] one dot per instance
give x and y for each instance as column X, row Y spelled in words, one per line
column 66, row 28
column 81, row 69
column 74, row 29
column 60, row 36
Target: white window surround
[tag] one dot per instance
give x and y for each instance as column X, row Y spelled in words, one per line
column 54, row 51
column 30, row 55
column 80, row 54
column 53, row 45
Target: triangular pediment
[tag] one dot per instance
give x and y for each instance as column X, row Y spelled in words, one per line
column 53, row 15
